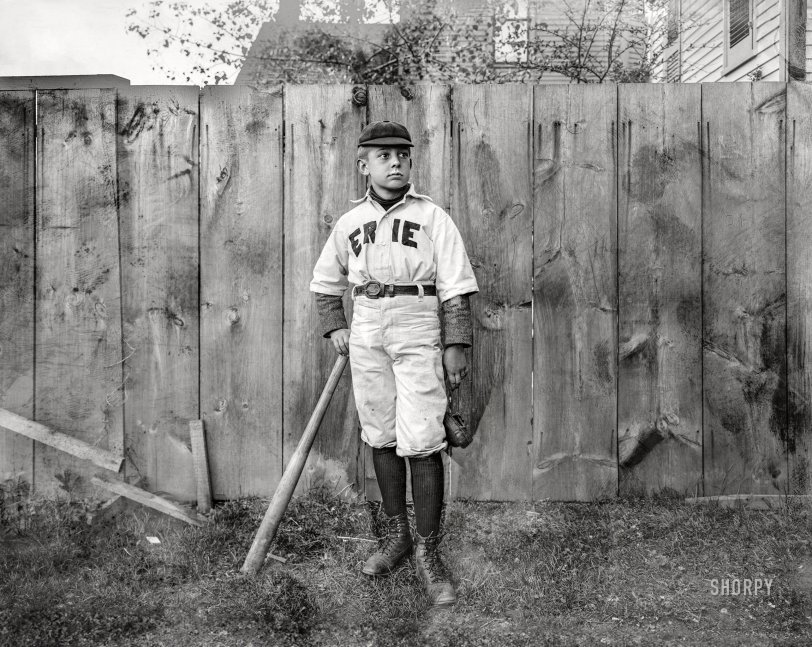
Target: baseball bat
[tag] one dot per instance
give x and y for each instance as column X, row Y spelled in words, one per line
column 290, row 477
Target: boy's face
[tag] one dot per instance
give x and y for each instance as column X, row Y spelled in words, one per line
column 388, row 168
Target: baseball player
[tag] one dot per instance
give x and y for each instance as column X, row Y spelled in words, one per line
column 405, row 259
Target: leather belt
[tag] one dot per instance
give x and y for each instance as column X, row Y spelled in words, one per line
column 376, row 290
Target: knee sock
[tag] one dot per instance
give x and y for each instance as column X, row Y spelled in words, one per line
column 427, row 491
column 390, row 470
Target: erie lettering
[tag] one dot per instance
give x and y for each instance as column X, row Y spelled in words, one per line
column 405, row 234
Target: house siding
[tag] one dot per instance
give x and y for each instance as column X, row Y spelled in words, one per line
column 703, row 43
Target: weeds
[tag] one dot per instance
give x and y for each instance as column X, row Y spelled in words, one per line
column 634, row 571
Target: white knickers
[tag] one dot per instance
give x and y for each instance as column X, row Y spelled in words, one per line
column 397, row 373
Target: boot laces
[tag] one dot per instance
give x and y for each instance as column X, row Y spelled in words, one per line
column 393, row 535
column 433, row 564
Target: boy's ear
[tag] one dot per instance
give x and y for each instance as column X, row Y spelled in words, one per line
column 362, row 166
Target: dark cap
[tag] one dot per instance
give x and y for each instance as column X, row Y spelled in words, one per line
column 385, row 133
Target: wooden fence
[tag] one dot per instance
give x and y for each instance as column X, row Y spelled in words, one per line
column 642, row 254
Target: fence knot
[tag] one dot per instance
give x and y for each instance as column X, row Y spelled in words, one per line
column 406, row 92
column 359, row 95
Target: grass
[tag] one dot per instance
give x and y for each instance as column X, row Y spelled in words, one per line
column 625, row 572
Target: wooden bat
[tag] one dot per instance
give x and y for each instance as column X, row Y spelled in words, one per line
column 290, row 477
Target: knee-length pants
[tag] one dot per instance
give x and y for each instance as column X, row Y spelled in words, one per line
column 397, row 373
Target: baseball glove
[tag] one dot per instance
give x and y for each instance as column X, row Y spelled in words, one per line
column 457, row 433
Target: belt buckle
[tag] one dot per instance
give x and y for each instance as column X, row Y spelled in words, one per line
column 373, row 289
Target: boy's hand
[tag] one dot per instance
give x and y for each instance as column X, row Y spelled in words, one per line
column 456, row 366
column 341, row 340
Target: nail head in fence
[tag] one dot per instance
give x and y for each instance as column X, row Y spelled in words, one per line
column 201, row 462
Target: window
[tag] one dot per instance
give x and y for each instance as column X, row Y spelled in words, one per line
column 511, row 30
column 740, row 40
column 672, row 67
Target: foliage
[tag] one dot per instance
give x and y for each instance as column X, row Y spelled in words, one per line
column 611, row 40
column 215, row 39
column 584, row 40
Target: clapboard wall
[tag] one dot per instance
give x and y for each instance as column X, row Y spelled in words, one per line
column 641, row 252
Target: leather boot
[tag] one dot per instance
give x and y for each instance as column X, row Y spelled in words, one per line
column 432, row 571
column 393, row 547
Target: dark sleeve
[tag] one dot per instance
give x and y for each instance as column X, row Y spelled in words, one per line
column 456, row 320
column 331, row 313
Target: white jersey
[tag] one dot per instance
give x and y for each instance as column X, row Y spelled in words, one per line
column 414, row 242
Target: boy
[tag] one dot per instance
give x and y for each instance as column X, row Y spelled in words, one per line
column 404, row 256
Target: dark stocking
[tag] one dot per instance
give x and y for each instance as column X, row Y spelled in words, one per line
column 427, row 492
column 390, row 470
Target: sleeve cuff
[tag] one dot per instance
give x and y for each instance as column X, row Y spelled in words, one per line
column 331, row 313
column 456, row 322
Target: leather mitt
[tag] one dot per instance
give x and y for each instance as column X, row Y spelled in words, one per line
column 457, row 433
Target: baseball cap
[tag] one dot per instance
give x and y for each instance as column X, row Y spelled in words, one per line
column 385, row 133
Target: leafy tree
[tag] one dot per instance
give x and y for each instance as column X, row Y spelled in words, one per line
column 585, row 40
column 597, row 41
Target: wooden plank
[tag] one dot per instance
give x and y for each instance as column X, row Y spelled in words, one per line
column 17, row 277
column 147, row 499
column 201, row 462
column 321, row 135
column 241, row 289
column 158, row 212
column 78, row 318
column 744, row 309
column 11, row 422
column 799, row 287
column 427, row 115
column 659, row 288
column 492, row 206
column 574, row 293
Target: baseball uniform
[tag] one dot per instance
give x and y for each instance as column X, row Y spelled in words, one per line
column 395, row 346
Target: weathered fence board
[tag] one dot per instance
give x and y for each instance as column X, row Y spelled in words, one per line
column 427, row 115
column 744, row 306
column 659, row 288
column 16, row 277
column 575, row 293
column 158, row 219
column 78, row 322
column 492, row 207
column 799, row 287
column 241, row 289
column 321, row 133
